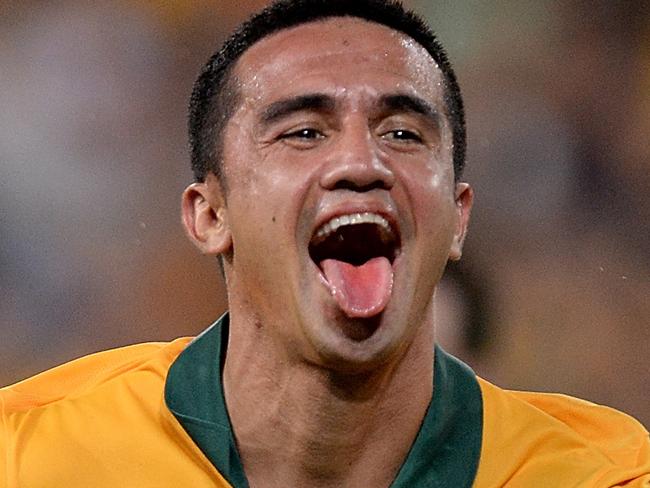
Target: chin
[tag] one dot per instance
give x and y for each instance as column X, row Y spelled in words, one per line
column 355, row 345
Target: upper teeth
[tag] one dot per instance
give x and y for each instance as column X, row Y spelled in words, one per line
column 352, row 219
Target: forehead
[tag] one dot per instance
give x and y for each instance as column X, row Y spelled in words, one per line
column 335, row 55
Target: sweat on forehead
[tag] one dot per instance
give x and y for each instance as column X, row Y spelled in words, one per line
column 334, row 43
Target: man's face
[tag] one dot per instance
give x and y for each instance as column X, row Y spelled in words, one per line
column 340, row 119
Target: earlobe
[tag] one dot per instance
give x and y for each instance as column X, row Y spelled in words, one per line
column 205, row 217
column 464, row 197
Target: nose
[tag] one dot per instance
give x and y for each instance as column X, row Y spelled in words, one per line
column 356, row 162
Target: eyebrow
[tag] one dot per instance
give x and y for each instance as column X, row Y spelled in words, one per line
column 403, row 102
column 283, row 108
column 320, row 102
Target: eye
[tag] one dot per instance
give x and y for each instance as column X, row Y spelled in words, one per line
column 403, row 135
column 306, row 134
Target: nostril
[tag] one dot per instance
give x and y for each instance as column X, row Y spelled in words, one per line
column 361, row 188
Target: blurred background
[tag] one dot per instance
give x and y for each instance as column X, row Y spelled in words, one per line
column 553, row 292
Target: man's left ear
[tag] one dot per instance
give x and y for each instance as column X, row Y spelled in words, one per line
column 464, row 197
column 205, row 217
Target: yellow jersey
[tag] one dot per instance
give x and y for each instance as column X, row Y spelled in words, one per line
column 154, row 415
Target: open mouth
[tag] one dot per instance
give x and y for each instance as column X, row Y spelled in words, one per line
column 354, row 239
column 355, row 254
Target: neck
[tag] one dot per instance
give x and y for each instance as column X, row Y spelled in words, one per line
column 298, row 424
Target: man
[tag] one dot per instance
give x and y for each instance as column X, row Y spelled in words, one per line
column 327, row 144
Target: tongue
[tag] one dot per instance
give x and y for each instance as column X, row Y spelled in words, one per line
column 360, row 291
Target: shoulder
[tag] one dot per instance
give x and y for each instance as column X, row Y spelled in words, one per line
column 87, row 374
column 552, row 440
column 106, row 412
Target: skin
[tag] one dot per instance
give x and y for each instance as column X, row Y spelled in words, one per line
column 310, row 390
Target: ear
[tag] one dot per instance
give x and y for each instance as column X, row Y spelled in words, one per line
column 464, row 197
column 205, row 217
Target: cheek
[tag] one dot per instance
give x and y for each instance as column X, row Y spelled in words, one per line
column 431, row 193
column 437, row 176
column 434, row 183
column 268, row 199
column 431, row 180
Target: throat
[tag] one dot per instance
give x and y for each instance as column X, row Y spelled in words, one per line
column 315, row 428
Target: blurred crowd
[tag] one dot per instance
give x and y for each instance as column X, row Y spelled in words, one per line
column 552, row 294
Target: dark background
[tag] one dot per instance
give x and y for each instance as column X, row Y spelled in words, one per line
column 553, row 293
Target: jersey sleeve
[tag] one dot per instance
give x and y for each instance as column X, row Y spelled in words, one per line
column 643, row 482
column 555, row 440
column 637, row 474
column 622, row 439
column 4, row 446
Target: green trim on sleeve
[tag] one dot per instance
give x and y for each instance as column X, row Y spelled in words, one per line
column 445, row 453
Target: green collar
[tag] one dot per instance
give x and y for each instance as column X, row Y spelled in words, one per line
column 445, row 453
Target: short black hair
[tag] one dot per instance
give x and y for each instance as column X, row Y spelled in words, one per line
column 215, row 96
